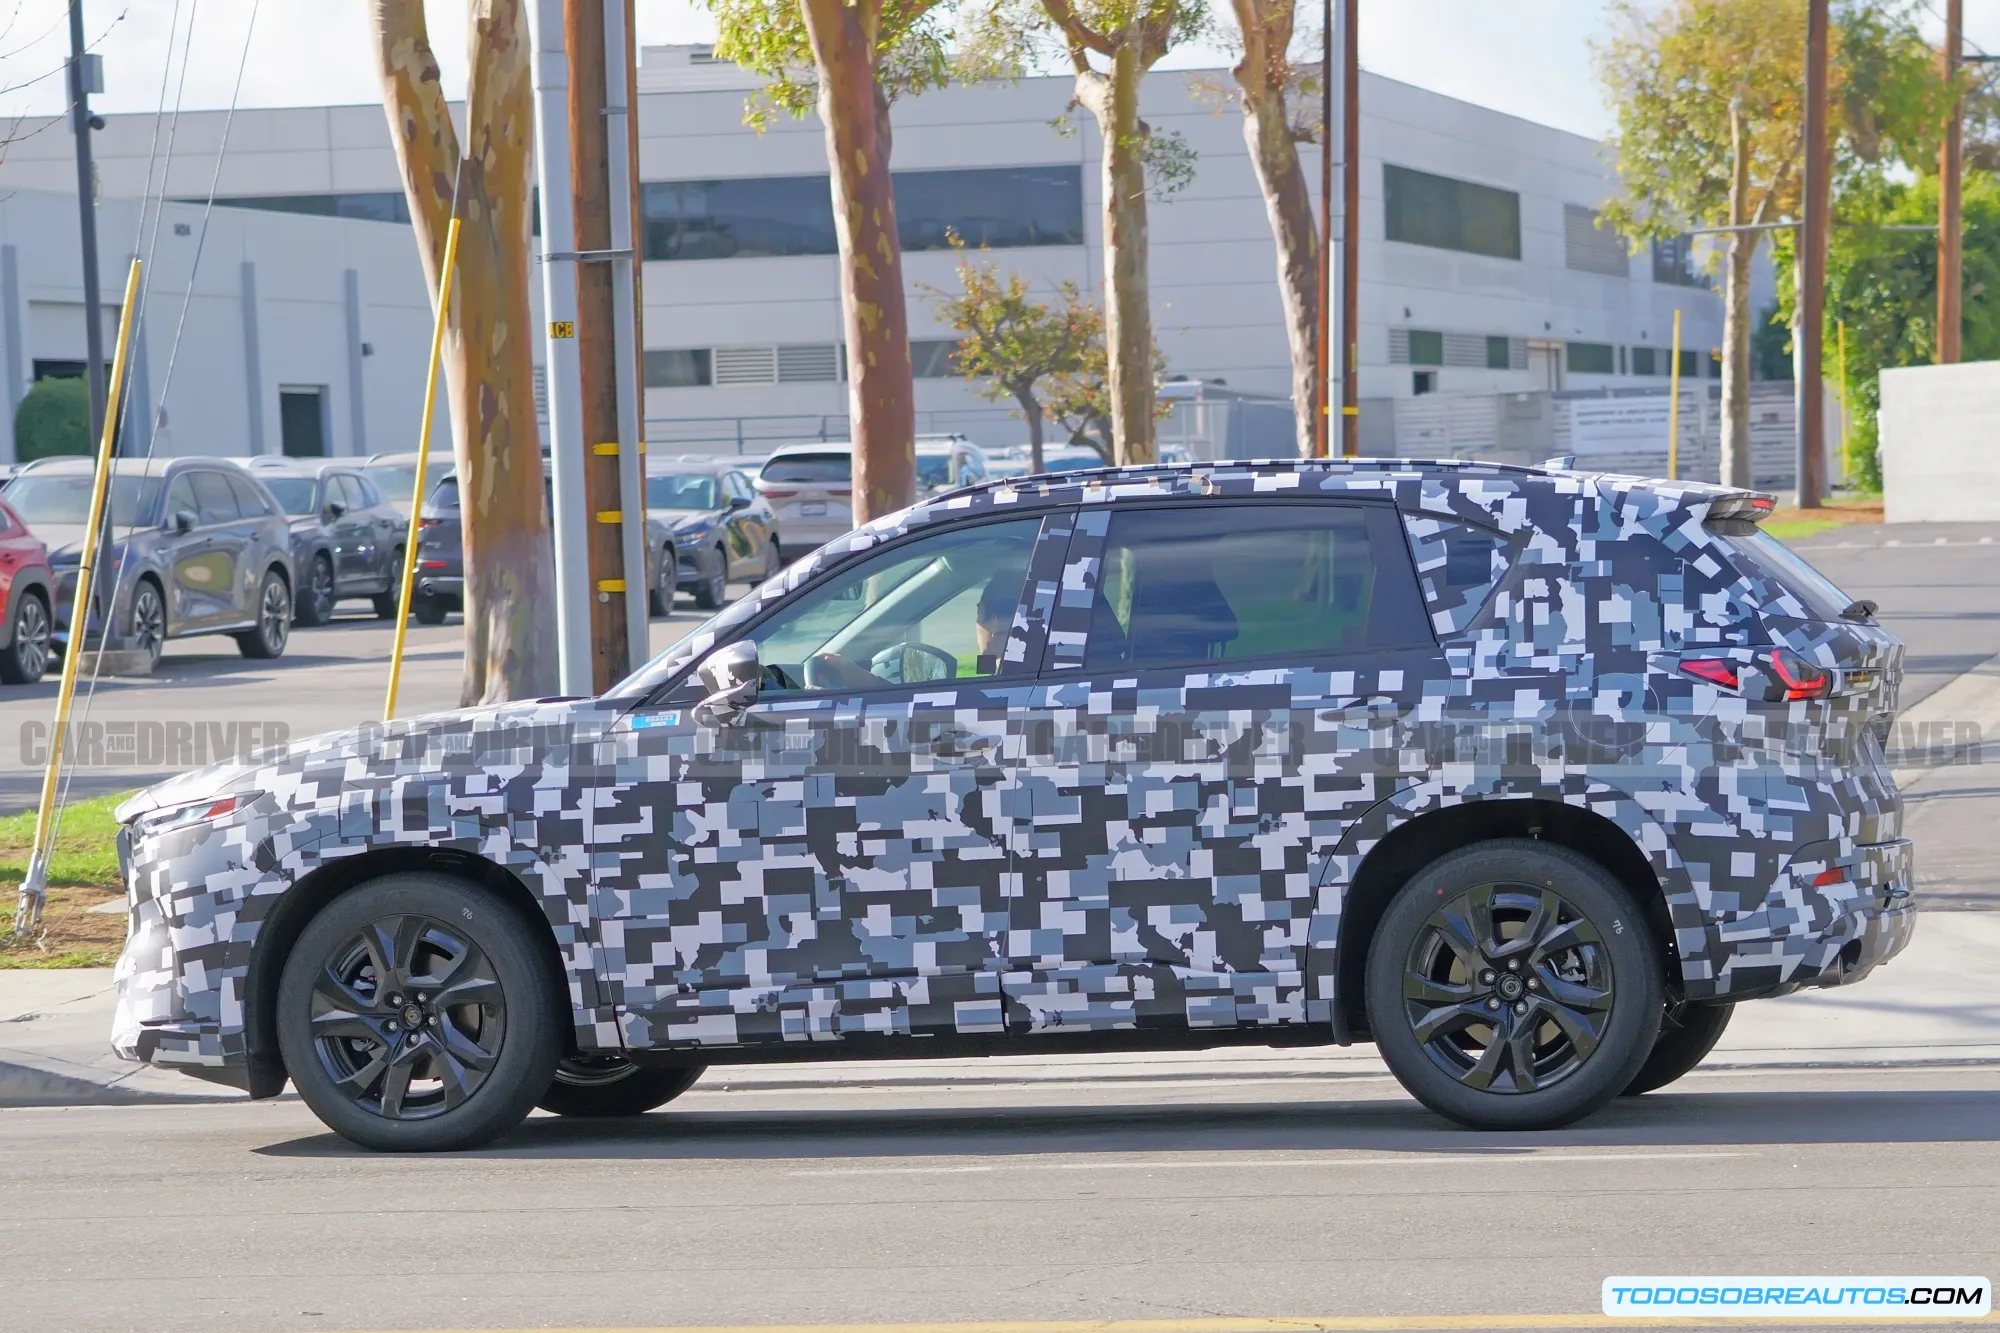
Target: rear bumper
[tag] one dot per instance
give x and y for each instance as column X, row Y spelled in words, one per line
column 1836, row 918
column 447, row 587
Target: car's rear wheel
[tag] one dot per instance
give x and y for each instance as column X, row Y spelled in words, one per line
column 273, row 629
column 428, row 610
column 1514, row 985
column 420, row 1013
column 316, row 606
column 149, row 622
column 611, row 1085
column 27, row 653
column 714, row 586
column 386, row 600
column 1687, row 1034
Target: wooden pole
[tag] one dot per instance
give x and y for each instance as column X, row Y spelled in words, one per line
column 1323, row 347
column 1674, row 405
column 1812, row 270
column 1350, row 229
column 1951, row 173
column 34, row 885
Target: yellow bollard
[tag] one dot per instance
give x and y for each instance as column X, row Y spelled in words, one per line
column 423, row 464
column 1674, row 405
column 34, row 886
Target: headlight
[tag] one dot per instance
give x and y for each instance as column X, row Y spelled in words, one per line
column 193, row 812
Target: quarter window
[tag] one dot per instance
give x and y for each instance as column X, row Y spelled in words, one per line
column 1182, row 586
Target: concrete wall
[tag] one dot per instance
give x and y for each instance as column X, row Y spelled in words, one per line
column 1939, row 425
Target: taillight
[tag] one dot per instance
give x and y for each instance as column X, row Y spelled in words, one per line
column 1836, row 875
column 426, row 524
column 1800, row 678
column 840, row 490
column 1715, row 670
column 777, row 495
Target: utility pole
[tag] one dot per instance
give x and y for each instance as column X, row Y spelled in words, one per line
column 1322, row 405
column 1951, row 171
column 1812, row 266
column 1350, row 228
column 607, row 439
column 85, row 78
column 565, row 392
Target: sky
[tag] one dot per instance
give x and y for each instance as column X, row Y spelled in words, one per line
column 1530, row 58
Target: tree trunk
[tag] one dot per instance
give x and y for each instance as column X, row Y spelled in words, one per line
column 1031, row 412
column 1113, row 98
column 509, row 567
column 880, row 394
column 1275, row 156
column 1735, row 466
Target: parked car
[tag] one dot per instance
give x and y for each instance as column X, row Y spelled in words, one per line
column 722, row 528
column 1525, row 775
column 395, row 476
column 347, row 539
column 198, row 546
column 440, row 582
column 811, row 486
column 25, row 589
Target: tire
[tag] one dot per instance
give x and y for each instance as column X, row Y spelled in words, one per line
column 613, row 1086
column 149, row 621
column 1446, row 982
column 386, row 600
column 26, row 656
column 428, row 610
column 274, row 620
column 713, row 589
column 660, row 600
column 774, row 561
column 1685, row 1040
column 348, row 1048
column 316, row 606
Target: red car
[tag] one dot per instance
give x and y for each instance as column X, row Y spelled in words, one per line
column 24, row 601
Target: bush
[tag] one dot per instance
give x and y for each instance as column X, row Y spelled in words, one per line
column 53, row 420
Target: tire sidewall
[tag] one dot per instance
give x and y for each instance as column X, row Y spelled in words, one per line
column 308, row 610
column 1637, row 1001
column 529, row 1050
column 18, row 671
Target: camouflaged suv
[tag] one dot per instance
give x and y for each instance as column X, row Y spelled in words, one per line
column 1525, row 775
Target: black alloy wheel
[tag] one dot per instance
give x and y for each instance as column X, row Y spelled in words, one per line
column 1513, row 985
column 611, row 1085
column 713, row 589
column 274, row 619
column 660, row 601
column 1688, row 1033
column 316, row 607
column 149, row 622
column 27, row 654
column 386, row 600
column 419, row 1013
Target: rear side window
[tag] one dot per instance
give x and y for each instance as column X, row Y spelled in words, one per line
column 810, row 468
column 444, row 499
column 1762, row 557
column 1458, row 565
column 216, row 500
column 1185, row 585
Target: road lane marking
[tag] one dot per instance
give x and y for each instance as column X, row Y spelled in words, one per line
column 1427, row 1159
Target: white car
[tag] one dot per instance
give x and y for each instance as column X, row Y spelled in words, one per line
column 810, row 487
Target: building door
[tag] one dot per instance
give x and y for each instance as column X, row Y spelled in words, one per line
column 302, row 421
column 1545, row 364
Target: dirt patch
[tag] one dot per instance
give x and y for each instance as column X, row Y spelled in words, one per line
column 83, row 873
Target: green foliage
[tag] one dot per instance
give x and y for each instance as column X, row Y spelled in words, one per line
column 53, row 420
column 1010, row 341
column 86, row 846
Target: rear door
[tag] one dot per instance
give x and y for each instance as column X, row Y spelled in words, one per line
column 208, row 562
column 1228, row 684
column 356, row 553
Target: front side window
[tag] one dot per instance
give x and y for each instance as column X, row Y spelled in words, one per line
column 250, row 503
column 1182, row 586
column 936, row 609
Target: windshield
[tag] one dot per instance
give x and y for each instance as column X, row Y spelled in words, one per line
column 397, row 481
column 294, row 494
column 680, row 492
column 444, row 499
column 933, row 469
column 1761, row 555
column 808, row 468
column 51, row 501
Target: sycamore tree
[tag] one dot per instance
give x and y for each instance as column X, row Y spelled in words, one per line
column 509, row 563
column 1013, row 344
column 1709, row 98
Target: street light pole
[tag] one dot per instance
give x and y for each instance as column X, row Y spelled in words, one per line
column 1812, row 267
column 82, row 122
column 1322, row 404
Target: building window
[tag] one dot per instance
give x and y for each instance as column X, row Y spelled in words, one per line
column 679, row 368
column 1690, row 365
column 1000, row 208
column 1426, row 348
column 1592, row 359
column 1499, row 353
column 1643, row 361
column 1424, row 381
column 934, row 358
column 1673, row 263
column 373, row 206
column 1422, row 209
column 1589, row 248
column 59, row 370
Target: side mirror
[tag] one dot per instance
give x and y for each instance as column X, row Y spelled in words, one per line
column 182, row 523
column 334, row 509
column 732, row 675
column 737, row 502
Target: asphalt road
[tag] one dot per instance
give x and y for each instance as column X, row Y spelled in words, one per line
column 1157, row 1201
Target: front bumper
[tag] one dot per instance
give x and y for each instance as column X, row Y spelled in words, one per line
column 1839, row 914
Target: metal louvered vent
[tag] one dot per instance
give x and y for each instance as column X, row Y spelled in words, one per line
column 746, row 365
column 541, row 393
column 808, row 363
column 1589, row 248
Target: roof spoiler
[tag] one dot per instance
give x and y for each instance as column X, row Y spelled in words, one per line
column 1753, row 505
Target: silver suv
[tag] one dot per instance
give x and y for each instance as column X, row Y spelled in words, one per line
column 811, row 486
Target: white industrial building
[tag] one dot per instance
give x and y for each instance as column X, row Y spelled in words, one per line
column 1483, row 275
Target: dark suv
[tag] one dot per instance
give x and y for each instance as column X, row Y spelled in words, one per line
column 1525, row 775
column 347, row 540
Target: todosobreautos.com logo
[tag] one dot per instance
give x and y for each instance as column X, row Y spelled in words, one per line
column 1763, row 1297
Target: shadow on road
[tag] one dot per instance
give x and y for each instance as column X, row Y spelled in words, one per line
column 1690, row 1119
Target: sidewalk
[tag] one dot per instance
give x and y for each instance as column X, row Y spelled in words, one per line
column 1936, row 1005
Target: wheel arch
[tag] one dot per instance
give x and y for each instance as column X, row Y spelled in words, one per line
column 288, row 918
column 1418, row 841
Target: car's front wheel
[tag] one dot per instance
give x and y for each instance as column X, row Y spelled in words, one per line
column 27, row 653
column 1514, row 985
column 660, row 601
column 1688, row 1033
column 419, row 1013
column 149, row 622
column 713, row 590
column 611, row 1085
column 267, row 638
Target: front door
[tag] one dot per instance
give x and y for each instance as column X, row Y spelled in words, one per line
column 834, row 862
column 1223, row 702
column 356, row 560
